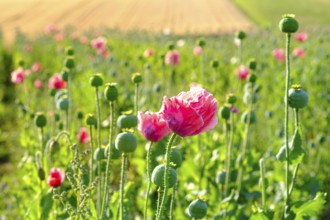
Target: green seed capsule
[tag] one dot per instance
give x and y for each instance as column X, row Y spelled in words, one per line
column 252, row 64
column 62, row 104
column 69, row 62
column 176, row 158
column 252, row 78
column 127, row 121
column 214, row 64
column 225, row 112
column 111, row 92
column 41, row 173
column 171, row 46
column 91, row 120
column 288, row 24
column 80, row 115
column 136, row 78
column 253, row 117
column 69, row 51
column 99, row 154
column 201, row 43
column 59, row 95
column 157, row 176
column 65, row 75
column 298, row 98
column 197, row 209
column 115, row 154
column 231, row 98
column 40, row 120
column 126, row 142
column 96, row 80
column 240, row 35
column 221, row 177
column 57, row 117
column 248, row 96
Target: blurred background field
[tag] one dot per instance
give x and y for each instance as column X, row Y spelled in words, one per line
column 131, row 27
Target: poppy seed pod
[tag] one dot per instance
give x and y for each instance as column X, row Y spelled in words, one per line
column 62, row 104
column 288, row 24
column 115, row 154
column 253, row 117
column 252, row 78
column 197, row 209
column 171, row 46
column 176, row 158
column 252, row 64
column 69, row 62
column 221, row 177
column 225, row 112
column 40, row 120
column 157, row 176
column 240, row 35
column 214, row 64
column 96, row 80
column 99, row 154
column 111, row 92
column 91, row 120
column 201, row 43
column 136, row 78
column 127, row 121
column 231, row 98
column 65, row 75
column 69, row 51
column 126, row 142
column 298, row 98
column 80, row 115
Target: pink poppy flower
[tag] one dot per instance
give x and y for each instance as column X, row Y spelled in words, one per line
column 38, row 84
column 59, row 37
column 242, row 72
column 56, row 177
column 50, row 29
column 83, row 40
column 74, row 36
column 18, row 75
column 103, row 52
column 172, row 57
column 152, row 126
column 190, row 113
column 99, row 42
column 301, row 37
column 279, row 54
column 298, row 52
column 56, row 82
column 198, row 50
column 83, row 136
column 148, row 52
column 36, row 67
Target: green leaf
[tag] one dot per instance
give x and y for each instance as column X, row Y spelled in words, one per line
column 46, row 204
column 296, row 151
column 310, row 208
column 259, row 216
column 281, row 154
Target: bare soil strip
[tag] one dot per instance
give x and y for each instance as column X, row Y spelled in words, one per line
column 179, row 16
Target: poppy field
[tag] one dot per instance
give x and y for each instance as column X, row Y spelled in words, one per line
column 111, row 125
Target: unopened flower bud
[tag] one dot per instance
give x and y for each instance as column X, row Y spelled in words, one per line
column 288, row 24
column 252, row 78
column 225, row 112
column 136, row 78
column 214, row 64
column 201, row 42
column 111, row 92
column 96, row 80
column 41, row 173
column 171, row 46
column 252, row 64
column 69, row 51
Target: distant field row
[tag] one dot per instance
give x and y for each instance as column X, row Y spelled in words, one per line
column 311, row 13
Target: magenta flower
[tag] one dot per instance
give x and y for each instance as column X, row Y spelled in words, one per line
column 198, row 50
column 83, row 136
column 149, row 52
column 242, row 72
column 298, row 52
column 279, row 54
column 56, row 177
column 301, row 37
column 190, row 113
column 99, row 42
column 18, row 75
column 152, row 126
column 172, row 57
column 56, row 82
column 38, row 84
column 234, row 110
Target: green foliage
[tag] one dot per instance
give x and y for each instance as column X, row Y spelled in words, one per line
column 309, row 208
